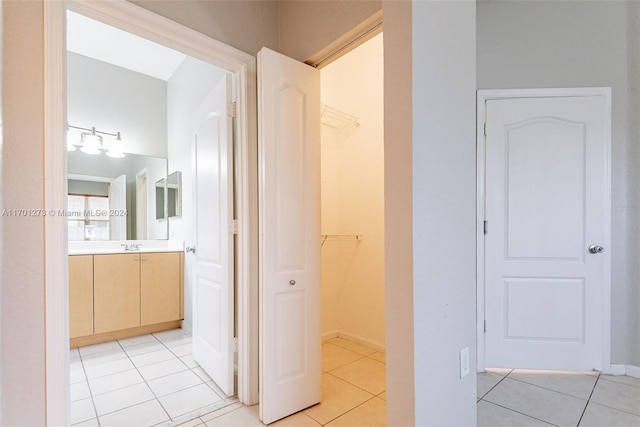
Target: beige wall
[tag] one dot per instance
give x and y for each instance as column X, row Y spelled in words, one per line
column 398, row 77
column 22, row 312
column 306, row 27
column 247, row 25
column 353, row 197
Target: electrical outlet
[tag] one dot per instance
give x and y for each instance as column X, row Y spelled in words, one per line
column 464, row 362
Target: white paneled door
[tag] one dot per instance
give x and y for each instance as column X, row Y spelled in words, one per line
column 213, row 290
column 289, row 144
column 546, row 206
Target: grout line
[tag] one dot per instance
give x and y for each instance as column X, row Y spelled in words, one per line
column 495, row 385
column 589, row 399
column 518, row 412
column 550, row 389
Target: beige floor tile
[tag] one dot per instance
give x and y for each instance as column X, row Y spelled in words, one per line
column 220, row 412
column 161, row 369
column 486, row 381
column 383, row 396
column 369, row 414
column 145, row 414
column 189, row 400
column 600, row 416
column 246, row 416
column 546, row 405
column 97, row 348
column 108, row 368
column 295, row 420
column 490, row 415
column 350, row 345
column 122, row 398
column 499, row 371
column 174, row 382
column 95, row 359
column 571, row 383
column 618, row 396
column 380, row 357
column 334, row 357
column 80, row 391
column 624, row 379
column 89, row 423
column 365, row 373
column 338, row 397
column 152, row 357
column 147, row 347
column 142, row 339
column 193, row 423
column 113, row 382
column 82, row 410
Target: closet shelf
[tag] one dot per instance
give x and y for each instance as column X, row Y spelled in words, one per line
column 337, row 124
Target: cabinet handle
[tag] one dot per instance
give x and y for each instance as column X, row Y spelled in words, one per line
column 135, row 259
column 144, row 259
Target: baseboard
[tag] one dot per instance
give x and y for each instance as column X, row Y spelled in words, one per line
column 359, row 340
column 329, row 335
column 186, row 326
column 620, row 369
column 633, row 371
column 615, row 369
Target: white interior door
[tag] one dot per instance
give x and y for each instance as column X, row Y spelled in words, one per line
column 546, row 203
column 289, row 147
column 213, row 285
column 118, row 202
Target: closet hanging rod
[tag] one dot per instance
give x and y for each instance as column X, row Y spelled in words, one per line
column 341, row 237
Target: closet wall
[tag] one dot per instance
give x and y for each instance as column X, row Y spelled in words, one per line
column 353, row 197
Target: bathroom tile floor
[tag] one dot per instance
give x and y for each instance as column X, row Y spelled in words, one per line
column 142, row 381
column 156, row 382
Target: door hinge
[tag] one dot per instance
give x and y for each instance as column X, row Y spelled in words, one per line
column 485, row 227
column 232, row 109
column 234, row 226
column 235, row 344
column 485, row 326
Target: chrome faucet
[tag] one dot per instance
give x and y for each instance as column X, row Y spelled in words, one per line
column 133, row 246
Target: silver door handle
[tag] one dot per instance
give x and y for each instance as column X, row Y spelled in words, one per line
column 190, row 249
column 596, row 249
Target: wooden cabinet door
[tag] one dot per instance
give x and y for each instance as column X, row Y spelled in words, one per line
column 116, row 291
column 160, row 287
column 80, row 295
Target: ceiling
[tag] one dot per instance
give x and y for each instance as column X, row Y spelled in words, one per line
column 88, row 37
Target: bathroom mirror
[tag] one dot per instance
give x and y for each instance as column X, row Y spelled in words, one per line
column 93, row 175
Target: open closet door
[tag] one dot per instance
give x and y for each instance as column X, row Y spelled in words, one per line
column 213, row 292
column 289, row 168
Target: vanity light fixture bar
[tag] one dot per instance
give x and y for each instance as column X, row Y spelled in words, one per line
column 94, row 130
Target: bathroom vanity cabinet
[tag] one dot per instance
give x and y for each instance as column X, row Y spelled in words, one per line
column 113, row 296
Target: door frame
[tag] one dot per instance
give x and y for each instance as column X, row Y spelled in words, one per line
column 494, row 94
column 137, row 20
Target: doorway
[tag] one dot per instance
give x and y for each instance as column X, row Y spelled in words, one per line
column 543, row 212
column 241, row 66
column 352, row 195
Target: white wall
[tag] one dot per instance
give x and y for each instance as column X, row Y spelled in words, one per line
column 567, row 44
column 444, row 153
column 353, row 197
column 186, row 89
column 114, row 99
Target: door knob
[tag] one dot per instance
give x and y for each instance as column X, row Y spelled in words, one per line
column 292, row 282
column 595, row 249
column 190, row 249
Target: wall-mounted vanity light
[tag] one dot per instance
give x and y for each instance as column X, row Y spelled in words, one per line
column 90, row 141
